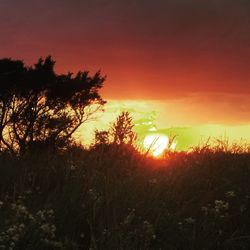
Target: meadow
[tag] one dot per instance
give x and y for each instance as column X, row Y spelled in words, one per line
column 56, row 194
column 113, row 197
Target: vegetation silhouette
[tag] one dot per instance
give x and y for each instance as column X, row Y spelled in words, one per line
column 108, row 196
column 118, row 141
column 40, row 107
column 120, row 133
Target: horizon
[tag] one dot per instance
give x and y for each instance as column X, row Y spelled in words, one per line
column 186, row 61
column 188, row 135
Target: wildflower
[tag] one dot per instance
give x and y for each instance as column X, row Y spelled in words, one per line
column 190, row 220
column 22, row 209
column 20, row 197
column 129, row 217
column 50, row 212
column 31, row 217
column 28, row 192
column 45, row 240
column 45, row 228
column 53, row 228
column 41, row 215
column 93, row 194
column 72, row 167
column 220, row 206
column 230, row 194
column 106, row 232
column 15, row 237
column 148, row 230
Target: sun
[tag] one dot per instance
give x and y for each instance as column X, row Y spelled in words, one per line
column 156, row 144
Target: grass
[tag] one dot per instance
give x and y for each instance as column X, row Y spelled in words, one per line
column 112, row 197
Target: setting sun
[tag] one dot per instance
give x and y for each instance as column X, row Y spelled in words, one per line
column 156, row 144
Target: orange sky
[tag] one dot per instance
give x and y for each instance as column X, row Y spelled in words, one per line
column 192, row 55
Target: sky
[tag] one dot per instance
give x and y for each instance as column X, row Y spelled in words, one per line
column 186, row 60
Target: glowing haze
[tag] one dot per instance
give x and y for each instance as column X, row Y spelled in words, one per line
column 187, row 61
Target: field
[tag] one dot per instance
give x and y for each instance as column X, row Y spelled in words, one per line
column 112, row 197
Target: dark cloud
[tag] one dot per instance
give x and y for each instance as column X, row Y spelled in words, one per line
column 150, row 49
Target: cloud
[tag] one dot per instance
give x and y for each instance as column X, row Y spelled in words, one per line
column 192, row 119
column 149, row 49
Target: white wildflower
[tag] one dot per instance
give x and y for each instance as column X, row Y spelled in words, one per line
column 190, row 220
column 220, row 206
column 45, row 228
column 230, row 194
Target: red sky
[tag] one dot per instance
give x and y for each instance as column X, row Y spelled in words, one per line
column 189, row 51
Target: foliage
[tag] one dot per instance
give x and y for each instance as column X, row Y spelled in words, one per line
column 109, row 196
column 120, row 133
column 96, row 199
column 40, row 107
column 122, row 129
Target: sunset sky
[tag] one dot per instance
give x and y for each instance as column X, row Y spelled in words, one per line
column 185, row 61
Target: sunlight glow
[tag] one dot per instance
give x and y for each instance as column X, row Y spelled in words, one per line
column 153, row 129
column 173, row 146
column 156, row 144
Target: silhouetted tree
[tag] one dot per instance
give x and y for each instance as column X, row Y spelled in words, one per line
column 102, row 137
column 122, row 129
column 39, row 106
column 120, row 133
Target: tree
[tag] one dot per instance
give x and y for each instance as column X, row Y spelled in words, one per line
column 120, row 133
column 122, row 129
column 39, row 106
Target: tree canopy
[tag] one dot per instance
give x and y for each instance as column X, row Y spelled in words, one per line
column 38, row 106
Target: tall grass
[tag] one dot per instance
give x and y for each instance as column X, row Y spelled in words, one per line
column 112, row 197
